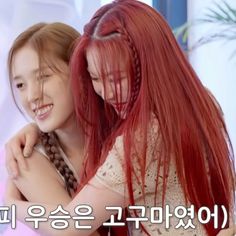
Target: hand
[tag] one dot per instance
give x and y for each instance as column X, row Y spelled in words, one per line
column 228, row 232
column 20, row 146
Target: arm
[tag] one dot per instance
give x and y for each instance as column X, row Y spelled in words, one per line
column 88, row 195
column 97, row 194
column 20, row 146
column 40, row 182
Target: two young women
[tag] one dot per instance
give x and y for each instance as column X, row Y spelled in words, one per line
column 153, row 136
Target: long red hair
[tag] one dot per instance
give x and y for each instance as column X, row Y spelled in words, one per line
column 163, row 83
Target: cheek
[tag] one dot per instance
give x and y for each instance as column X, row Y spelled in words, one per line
column 69, row 100
column 65, row 101
column 97, row 88
column 125, row 89
column 21, row 99
column 23, row 102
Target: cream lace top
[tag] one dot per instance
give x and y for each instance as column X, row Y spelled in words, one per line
column 112, row 175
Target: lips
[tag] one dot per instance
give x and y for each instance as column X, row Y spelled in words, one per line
column 43, row 111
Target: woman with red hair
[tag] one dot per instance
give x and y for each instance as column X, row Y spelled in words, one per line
column 162, row 140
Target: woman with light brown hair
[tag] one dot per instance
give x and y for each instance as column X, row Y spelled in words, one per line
column 39, row 76
column 159, row 136
column 39, row 73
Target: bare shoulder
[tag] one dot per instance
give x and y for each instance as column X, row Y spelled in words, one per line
column 40, row 181
column 38, row 163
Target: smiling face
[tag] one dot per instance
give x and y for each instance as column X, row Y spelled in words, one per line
column 44, row 93
column 112, row 84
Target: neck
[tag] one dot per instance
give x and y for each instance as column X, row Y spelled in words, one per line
column 71, row 139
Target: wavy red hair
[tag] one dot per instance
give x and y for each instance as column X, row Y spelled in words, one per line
column 163, row 83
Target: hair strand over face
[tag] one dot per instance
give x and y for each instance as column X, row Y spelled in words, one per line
column 53, row 43
column 163, row 84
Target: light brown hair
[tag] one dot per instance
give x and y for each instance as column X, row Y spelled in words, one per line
column 52, row 42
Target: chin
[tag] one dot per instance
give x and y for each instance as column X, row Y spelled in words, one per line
column 123, row 115
column 46, row 128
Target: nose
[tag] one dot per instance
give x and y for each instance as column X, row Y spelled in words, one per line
column 107, row 93
column 100, row 91
column 34, row 92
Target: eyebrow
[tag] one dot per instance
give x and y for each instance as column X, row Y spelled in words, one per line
column 16, row 77
column 34, row 72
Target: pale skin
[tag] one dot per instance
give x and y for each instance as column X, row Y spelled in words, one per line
column 88, row 195
column 120, row 102
column 40, row 182
column 44, row 106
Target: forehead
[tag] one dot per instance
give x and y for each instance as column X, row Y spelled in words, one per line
column 104, row 62
column 28, row 61
column 24, row 60
column 93, row 61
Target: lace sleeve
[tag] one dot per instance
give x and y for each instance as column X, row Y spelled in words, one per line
column 112, row 172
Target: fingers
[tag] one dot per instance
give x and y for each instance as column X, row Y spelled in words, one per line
column 11, row 163
column 16, row 149
column 13, row 169
column 14, row 158
column 30, row 141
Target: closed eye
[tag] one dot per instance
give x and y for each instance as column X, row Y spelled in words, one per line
column 117, row 81
column 94, row 79
column 44, row 76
